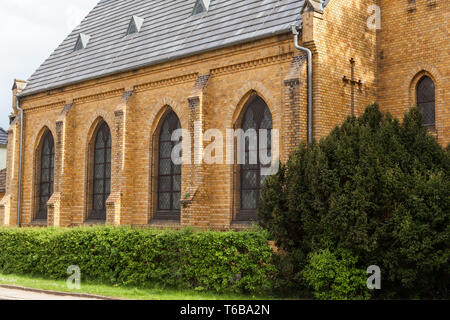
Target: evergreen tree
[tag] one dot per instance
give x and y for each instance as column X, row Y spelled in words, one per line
column 376, row 187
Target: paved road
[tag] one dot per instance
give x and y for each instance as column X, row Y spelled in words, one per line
column 18, row 294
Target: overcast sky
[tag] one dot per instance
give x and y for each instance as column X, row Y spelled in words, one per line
column 29, row 31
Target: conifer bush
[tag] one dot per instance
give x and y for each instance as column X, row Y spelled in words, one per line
column 377, row 187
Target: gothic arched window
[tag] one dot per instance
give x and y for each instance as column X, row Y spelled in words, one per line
column 257, row 117
column 101, row 187
column 426, row 100
column 169, row 173
column 46, row 177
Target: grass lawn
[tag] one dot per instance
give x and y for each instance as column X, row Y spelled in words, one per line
column 121, row 292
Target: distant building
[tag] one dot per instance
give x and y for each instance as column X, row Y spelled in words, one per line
column 3, row 143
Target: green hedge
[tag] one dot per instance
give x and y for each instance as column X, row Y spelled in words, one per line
column 223, row 262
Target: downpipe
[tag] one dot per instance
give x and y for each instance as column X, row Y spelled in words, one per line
column 310, row 83
column 19, row 207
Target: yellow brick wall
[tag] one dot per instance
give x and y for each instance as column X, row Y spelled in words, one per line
column 133, row 103
column 414, row 40
column 340, row 34
column 235, row 72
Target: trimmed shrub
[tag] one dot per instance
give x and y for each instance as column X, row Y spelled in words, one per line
column 334, row 276
column 376, row 187
column 223, row 262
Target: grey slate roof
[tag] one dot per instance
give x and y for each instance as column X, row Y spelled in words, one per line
column 169, row 32
column 3, row 137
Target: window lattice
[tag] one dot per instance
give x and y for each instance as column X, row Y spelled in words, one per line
column 257, row 117
column 169, row 174
column 101, row 173
column 426, row 100
column 46, row 175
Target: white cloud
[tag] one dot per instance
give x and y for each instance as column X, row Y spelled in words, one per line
column 30, row 31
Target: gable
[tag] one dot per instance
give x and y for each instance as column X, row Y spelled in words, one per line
column 170, row 31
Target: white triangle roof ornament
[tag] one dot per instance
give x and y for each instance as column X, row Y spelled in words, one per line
column 313, row 5
column 82, row 42
column 135, row 25
column 206, row 3
column 201, row 6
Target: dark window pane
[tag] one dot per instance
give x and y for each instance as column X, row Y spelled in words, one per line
column 165, row 167
column 166, row 149
column 165, row 184
column 98, row 203
column 249, row 179
column 169, row 174
column 107, row 187
column 99, row 155
column 176, row 200
column 46, row 175
column 108, row 170
column 249, row 199
column 426, row 100
column 45, row 162
column 177, row 183
column 166, row 135
column 257, row 117
column 102, row 171
column 44, row 200
column 425, row 90
column 164, row 201
column 44, row 189
column 428, row 113
column 99, row 171
column 249, row 122
column 99, row 187
column 267, row 120
column 51, row 163
column 100, row 142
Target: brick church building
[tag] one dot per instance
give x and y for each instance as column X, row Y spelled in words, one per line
column 90, row 135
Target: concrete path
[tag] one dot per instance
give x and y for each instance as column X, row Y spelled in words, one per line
column 17, row 293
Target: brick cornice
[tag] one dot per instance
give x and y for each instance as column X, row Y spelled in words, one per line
column 166, row 82
column 252, row 64
column 48, row 106
column 99, row 96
